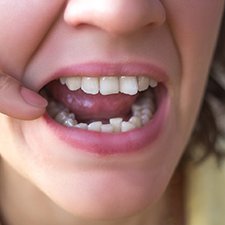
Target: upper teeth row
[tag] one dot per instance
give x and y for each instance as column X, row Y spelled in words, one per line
column 109, row 85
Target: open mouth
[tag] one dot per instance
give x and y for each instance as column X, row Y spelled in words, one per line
column 107, row 108
column 109, row 104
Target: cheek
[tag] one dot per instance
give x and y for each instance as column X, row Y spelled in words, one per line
column 24, row 23
column 195, row 37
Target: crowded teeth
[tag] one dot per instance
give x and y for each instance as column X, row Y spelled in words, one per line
column 109, row 85
column 141, row 113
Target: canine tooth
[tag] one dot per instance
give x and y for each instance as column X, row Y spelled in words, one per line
column 127, row 126
column 109, row 85
column 95, row 126
column 73, row 83
column 143, row 83
column 116, row 124
column 136, row 121
column 128, row 85
column 153, row 83
column 90, row 85
column 107, row 128
column 62, row 80
column 83, row 126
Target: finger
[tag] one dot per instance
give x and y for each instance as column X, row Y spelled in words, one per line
column 18, row 101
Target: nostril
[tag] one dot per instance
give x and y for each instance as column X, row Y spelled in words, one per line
column 115, row 16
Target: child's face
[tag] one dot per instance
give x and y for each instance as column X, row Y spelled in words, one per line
column 39, row 38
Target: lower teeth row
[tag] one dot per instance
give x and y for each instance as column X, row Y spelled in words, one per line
column 142, row 112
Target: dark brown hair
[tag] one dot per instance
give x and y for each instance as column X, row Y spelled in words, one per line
column 209, row 129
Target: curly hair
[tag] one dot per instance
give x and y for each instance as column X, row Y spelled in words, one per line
column 209, row 129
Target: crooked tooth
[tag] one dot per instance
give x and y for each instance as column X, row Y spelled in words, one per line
column 127, row 126
column 107, row 128
column 90, row 85
column 116, row 124
column 153, row 83
column 128, row 85
column 143, row 83
column 73, row 83
column 109, row 85
column 95, row 126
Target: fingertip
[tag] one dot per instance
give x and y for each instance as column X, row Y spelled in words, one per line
column 33, row 99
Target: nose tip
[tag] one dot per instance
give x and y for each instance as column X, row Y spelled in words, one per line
column 115, row 16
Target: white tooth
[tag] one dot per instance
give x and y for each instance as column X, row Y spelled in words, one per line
column 143, row 83
column 70, row 122
column 95, row 126
column 146, row 111
column 107, row 128
column 73, row 83
column 136, row 121
column 61, row 117
column 136, row 113
column 90, row 85
column 109, row 85
column 145, row 119
column 153, row 83
column 63, row 80
column 116, row 123
column 83, row 126
column 128, row 85
column 136, row 107
column 127, row 126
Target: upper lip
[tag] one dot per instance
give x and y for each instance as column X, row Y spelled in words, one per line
column 110, row 69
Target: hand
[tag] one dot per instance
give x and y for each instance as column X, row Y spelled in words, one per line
column 19, row 102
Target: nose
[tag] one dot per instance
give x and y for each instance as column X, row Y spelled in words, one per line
column 120, row 17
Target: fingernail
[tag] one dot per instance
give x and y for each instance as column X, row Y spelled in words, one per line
column 33, row 98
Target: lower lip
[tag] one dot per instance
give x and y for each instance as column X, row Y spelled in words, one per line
column 120, row 143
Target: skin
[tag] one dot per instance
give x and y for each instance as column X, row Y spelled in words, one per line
column 72, row 187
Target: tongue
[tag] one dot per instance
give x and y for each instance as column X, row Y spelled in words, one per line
column 88, row 107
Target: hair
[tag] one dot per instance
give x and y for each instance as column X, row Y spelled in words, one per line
column 210, row 126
